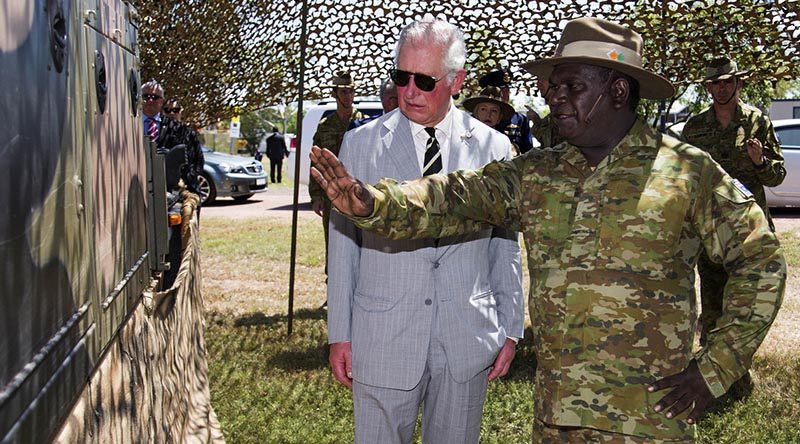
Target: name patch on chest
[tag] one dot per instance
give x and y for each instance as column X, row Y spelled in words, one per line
column 740, row 186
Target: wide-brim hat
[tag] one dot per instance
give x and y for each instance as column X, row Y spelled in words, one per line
column 599, row 42
column 342, row 79
column 490, row 94
column 501, row 78
column 722, row 68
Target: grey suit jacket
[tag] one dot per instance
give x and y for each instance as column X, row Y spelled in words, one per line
column 382, row 294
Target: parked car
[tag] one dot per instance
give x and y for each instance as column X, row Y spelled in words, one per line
column 310, row 123
column 225, row 175
column 786, row 194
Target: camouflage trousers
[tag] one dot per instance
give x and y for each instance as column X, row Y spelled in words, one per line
column 713, row 278
column 549, row 434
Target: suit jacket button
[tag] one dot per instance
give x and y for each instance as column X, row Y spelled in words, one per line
column 428, row 302
column 436, row 264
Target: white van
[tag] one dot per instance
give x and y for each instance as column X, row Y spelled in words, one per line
column 310, row 123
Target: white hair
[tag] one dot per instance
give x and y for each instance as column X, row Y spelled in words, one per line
column 154, row 86
column 441, row 33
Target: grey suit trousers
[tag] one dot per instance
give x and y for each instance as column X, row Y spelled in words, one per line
column 451, row 411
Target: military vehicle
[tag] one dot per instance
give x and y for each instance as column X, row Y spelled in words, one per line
column 82, row 227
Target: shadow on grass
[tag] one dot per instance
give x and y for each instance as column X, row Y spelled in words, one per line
column 315, row 358
column 259, row 318
column 523, row 366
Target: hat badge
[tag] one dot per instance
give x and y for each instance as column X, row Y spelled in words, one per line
column 614, row 55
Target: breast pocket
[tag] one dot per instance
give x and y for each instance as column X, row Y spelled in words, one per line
column 641, row 226
column 549, row 208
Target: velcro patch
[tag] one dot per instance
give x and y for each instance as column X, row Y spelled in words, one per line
column 740, row 186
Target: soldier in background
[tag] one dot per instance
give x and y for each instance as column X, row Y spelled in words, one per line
column 330, row 133
column 742, row 140
column 543, row 128
column 614, row 220
column 168, row 133
column 489, row 107
column 517, row 127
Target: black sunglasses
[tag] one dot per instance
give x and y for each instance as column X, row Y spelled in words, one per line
column 150, row 97
column 424, row 82
column 172, row 110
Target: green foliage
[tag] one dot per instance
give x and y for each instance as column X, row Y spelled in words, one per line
column 681, row 38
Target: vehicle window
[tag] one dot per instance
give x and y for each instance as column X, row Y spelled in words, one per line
column 371, row 111
column 789, row 136
column 327, row 113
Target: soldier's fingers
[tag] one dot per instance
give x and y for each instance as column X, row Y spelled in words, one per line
column 319, row 178
column 680, row 405
column 698, row 410
column 671, row 398
column 661, row 384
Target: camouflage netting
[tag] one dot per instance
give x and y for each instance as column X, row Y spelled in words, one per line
column 152, row 386
column 217, row 55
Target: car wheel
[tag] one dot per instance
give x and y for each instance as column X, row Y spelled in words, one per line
column 243, row 198
column 208, row 192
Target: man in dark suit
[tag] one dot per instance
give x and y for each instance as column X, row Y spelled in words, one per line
column 276, row 151
column 168, row 133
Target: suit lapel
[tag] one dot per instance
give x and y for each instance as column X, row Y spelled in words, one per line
column 399, row 143
column 460, row 149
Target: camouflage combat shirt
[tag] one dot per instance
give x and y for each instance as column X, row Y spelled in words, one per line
column 611, row 256
column 330, row 134
column 727, row 146
column 545, row 132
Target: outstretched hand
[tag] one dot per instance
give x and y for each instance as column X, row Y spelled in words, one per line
column 345, row 192
column 689, row 388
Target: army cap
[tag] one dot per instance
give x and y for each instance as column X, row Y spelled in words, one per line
column 599, row 42
column 722, row 68
column 500, row 78
column 342, row 79
column 490, row 94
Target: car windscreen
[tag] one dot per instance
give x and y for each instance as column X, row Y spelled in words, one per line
column 789, row 136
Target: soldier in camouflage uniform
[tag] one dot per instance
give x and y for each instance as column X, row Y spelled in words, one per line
column 330, row 133
column 542, row 128
column 614, row 220
column 742, row 140
column 516, row 126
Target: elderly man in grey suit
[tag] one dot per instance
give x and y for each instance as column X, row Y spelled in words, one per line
column 429, row 321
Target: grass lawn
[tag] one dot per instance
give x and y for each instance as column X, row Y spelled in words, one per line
column 270, row 388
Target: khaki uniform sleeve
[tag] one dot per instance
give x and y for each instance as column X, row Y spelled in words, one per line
column 446, row 205
column 735, row 233
column 772, row 173
column 322, row 138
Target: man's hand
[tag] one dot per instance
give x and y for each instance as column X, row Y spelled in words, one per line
column 346, row 193
column 341, row 361
column 690, row 388
column 503, row 360
column 318, row 206
column 755, row 150
column 533, row 116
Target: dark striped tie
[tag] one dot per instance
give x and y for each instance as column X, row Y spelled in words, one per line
column 152, row 129
column 433, row 157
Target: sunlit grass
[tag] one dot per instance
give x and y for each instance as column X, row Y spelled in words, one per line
column 267, row 387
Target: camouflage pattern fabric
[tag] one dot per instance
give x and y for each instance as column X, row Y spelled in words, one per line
column 330, row 134
column 611, row 256
column 727, row 147
column 547, row 134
